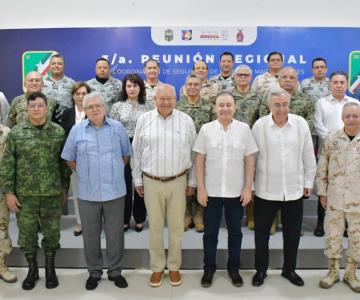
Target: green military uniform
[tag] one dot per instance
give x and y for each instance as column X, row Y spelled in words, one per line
column 33, row 170
column 18, row 109
column 300, row 105
column 247, row 106
column 209, row 91
column 201, row 113
column 5, row 243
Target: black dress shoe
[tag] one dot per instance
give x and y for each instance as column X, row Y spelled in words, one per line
column 258, row 278
column 92, row 283
column 319, row 230
column 77, row 232
column 119, row 281
column 293, row 278
column 139, row 228
column 126, row 228
column 206, row 279
column 236, row 279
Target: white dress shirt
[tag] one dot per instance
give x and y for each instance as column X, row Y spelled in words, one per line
column 286, row 162
column 79, row 115
column 328, row 115
column 225, row 153
column 163, row 147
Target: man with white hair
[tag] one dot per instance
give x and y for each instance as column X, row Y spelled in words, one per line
column 98, row 149
column 285, row 172
column 163, row 174
column 337, row 181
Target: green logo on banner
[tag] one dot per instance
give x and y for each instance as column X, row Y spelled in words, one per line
column 36, row 61
column 354, row 71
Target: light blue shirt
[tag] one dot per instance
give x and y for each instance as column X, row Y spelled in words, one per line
column 98, row 153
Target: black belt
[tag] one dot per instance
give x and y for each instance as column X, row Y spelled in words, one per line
column 165, row 179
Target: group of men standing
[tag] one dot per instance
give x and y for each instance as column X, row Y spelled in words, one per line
column 247, row 141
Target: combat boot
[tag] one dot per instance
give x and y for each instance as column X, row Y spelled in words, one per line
column 199, row 219
column 188, row 220
column 350, row 275
column 333, row 274
column 5, row 273
column 33, row 273
column 51, row 280
column 250, row 216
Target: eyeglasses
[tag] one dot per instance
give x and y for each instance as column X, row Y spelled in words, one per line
column 319, row 67
column 242, row 75
column 93, row 107
column 36, row 80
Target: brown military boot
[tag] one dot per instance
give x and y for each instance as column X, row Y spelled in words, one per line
column 5, row 273
column 188, row 220
column 333, row 274
column 350, row 275
column 198, row 219
column 250, row 216
column 275, row 224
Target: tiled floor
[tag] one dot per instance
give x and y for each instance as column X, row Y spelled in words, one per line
column 275, row 287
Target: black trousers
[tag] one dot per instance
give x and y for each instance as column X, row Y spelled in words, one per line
column 291, row 220
column 137, row 208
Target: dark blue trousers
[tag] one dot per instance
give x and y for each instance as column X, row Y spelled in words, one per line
column 212, row 220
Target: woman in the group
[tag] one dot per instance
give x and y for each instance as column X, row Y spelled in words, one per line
column 131, row 106
column 68, row 119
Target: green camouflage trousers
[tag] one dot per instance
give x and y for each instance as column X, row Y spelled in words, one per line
column 334, row 226
column 39, row 213
column 5, row 243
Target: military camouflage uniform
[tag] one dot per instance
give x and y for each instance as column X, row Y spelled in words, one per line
column 4, row 109
column 5, row 243
column 300, row 105
column 247, row 106
column 32, row 169
column 315, row 89
column 150, row 92
column 18, row 109
column 262, row 83
column 201, row 113
column 110, row 91
column 59, row 90
column 338, row 179
column 209, row 91
column 226, row 84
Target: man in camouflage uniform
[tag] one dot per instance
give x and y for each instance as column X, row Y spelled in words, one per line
column 263, row 82
column 225, row 79
column 108, row 86
column 317, row 87
column 4, row 109
column 247, row 105
column 18, row 109
column 152, row 72
column 209, row 90
column 5, row 243
column 201, row 112
column 58, row 86
column 338, row 187
column 34, row 180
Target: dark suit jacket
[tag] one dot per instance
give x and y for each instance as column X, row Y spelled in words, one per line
column 66, row 120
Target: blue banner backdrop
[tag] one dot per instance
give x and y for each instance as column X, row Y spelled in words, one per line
column 128, row 47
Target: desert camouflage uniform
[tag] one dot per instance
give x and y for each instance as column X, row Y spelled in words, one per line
column 110, row 90
column 59, row 90
column 32, row 169
column 315, row 89
column 150, row 92
column 225, row 84
column 247, row 106
column 5, row 243
column 209, row 91
column 4, row 109
column 300, row 105
column 338, row 178
column 262, row 84
column 18, row 109
column 201, row 113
